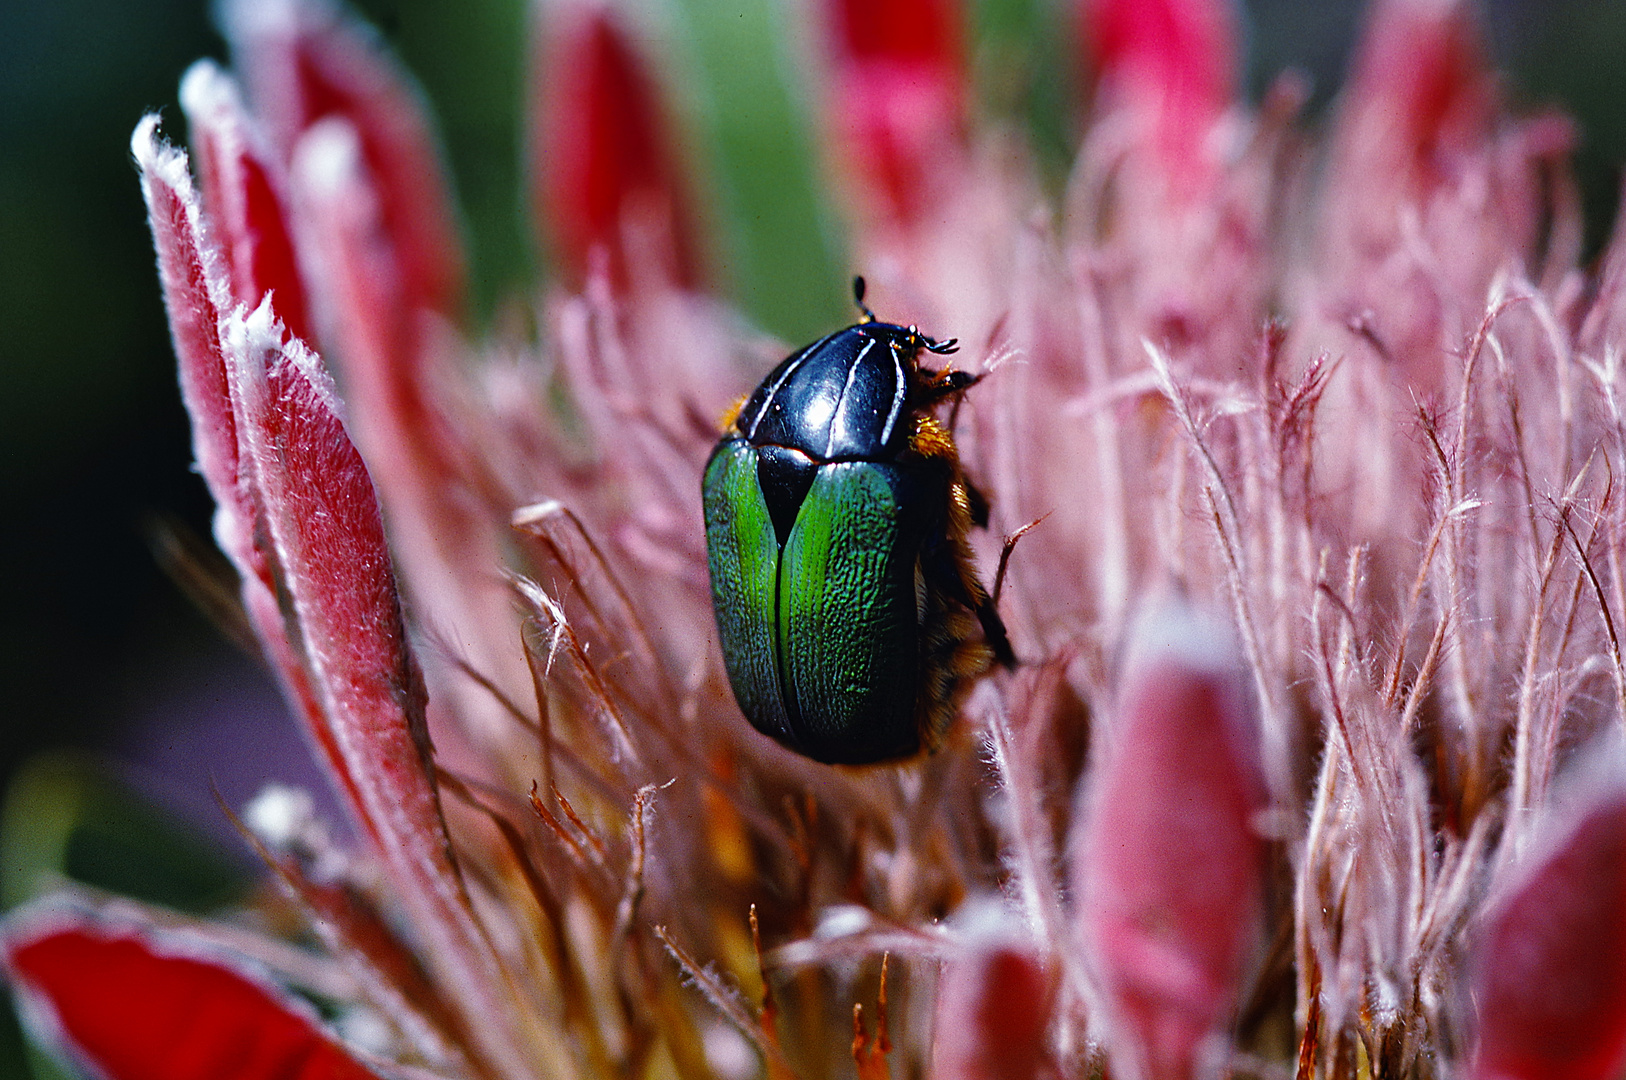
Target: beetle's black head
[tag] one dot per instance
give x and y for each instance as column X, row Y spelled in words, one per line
column 916, row 341
column 850, row 396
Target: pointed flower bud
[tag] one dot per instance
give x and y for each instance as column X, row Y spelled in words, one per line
column 1171, row 65
column 604, row 172
column 898, row 100
column 1548, row 979
column 302, row 62
column 1167, row 864
column 135, row 1003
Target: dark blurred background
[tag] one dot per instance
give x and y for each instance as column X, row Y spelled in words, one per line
column 97, row 648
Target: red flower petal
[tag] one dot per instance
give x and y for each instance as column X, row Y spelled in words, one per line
column 243, row 198
column 899, row 99
column 1168, row 867
column 302, row 62
column 603, row 167
column 130, row 1004
column 1173, row 64
column 1549, row 980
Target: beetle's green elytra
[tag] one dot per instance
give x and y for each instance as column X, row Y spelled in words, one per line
column 836, row 516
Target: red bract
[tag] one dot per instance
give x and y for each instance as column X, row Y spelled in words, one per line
column 199, row 296
column 300, row 518
column 378, row 251
column 1548, row 992
column 1167, row 862
column 1171, row 67
column 606, row 180
column 406, row 404
column 323, row 521
column 132, row 1003
column 246, row 197
column 994, row 1002
column 376, row 330
column 304, row 62
column 897, row 103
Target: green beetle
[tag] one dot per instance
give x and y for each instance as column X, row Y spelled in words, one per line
column 836, row 518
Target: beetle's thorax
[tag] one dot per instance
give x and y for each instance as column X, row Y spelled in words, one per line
column 846, row 397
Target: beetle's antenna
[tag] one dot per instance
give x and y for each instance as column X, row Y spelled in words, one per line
column 858, row 298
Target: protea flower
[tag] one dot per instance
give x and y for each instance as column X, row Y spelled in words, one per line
column 1300, row 461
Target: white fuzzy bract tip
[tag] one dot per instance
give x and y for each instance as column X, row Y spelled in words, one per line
column 1174, row 631
column 279, row 816
column 158, row 158
column 206, row 90
column 328, row 158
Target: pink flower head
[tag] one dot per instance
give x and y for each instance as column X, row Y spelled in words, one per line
column 1170, row 67
column 994, row 1003
column 1461, row 178
column 1355, row 400
column 1421, row 92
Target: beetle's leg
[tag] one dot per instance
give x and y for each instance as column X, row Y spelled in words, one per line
column 948, row 563
column 994, row 632
column 939, row 386
column 976, row 503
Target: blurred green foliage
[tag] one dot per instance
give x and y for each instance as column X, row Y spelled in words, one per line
column 65, row 816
